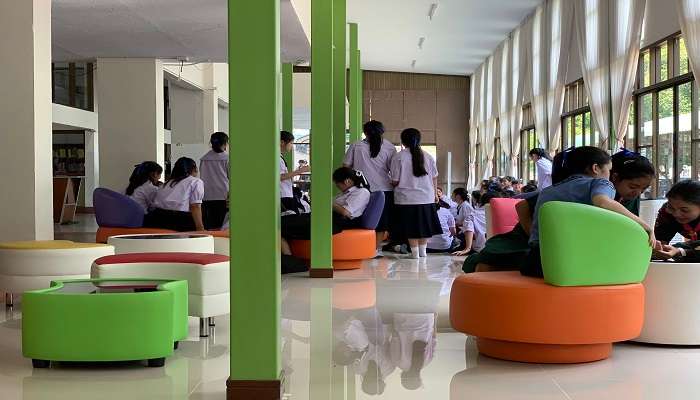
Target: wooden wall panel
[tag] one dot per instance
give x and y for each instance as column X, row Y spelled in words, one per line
column 383, row 80
column 420, row 109
column 452, row 127
column 387, row 107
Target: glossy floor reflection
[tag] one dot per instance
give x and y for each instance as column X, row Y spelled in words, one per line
column 379, row 332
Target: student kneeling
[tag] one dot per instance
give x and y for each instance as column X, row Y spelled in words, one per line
column 178, row 203
column 347, row 206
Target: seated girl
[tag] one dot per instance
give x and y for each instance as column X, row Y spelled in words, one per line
column 680, row 215
column 144, row 183
column 446, row 242
column 348, row 205
column 475, row 226
column 588, row 184
column 631, row 175
column 178, row 204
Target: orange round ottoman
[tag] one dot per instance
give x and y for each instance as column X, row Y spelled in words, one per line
column 104, row 233
column 518, row 318
column 350, row 247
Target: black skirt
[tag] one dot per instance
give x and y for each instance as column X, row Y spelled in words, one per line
column 385, row 220
column 180, row 221
column 415, row 221
column 213, row 213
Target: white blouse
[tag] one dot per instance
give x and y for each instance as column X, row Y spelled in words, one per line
column 376, row 169
column 354, row 200
column 413, row 189
column 180, row 196
column 145, row 195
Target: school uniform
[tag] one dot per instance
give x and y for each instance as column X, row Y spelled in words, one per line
column 452, row 204
column 476, row 223
column 172, row 205
column 443, row 242
column 214, row 170
column 354, row 200
column 544, row 173
column 144, row 196
column 667, row 227
column 376, row 171
column 463, row 211
column 575, row 189
column 506, row 251
column 287, row 199
column 415, row 210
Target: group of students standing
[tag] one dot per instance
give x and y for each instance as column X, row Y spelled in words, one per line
column 408, row 179
column 192, row 198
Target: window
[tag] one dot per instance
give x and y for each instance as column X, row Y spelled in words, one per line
column 528, row 141
column 72, row 85
column 577, row 129
column 662, row 119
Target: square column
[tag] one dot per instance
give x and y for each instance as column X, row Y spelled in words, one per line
column 254, row 109
column 355, row 87
column 26, row 211
column 131, row 120
column 339, row 80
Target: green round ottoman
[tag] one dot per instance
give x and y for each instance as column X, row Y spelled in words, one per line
column 104, row 320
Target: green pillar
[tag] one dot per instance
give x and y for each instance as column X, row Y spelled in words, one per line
column 321, row 137
column 339, row 80
column 254, row 76
column 355, row 89
column 288, row 106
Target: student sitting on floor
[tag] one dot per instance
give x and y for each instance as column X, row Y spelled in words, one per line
column 588, row 184
column 680, row 215
column 475, row 226
column 348, row 205
column 453, row 205
column 178, row 204
column 446, row 242
column 144, row 183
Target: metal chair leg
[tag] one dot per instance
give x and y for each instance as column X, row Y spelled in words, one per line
column 203, row 330
column 211, row 321
column 8, row 300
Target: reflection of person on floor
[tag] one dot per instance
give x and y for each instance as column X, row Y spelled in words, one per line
column 375, row 366
column 412, row 346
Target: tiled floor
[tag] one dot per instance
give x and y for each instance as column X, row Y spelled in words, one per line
column 378, row 332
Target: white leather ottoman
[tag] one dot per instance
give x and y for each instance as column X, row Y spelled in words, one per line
column 207, row 276
column 672, row 304
column 162, row 243
column 32, row 265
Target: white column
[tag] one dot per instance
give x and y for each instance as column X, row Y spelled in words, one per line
column 26, row 208
column 130, row 94
column 210, row 105
column 92, row 165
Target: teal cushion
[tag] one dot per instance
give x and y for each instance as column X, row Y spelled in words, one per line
column 583, row 245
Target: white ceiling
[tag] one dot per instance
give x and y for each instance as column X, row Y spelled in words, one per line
column 460, row 36
column 197, row 29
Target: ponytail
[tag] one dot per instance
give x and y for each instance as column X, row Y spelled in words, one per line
column 410, row 138
column 539, row 152
column 357, row 177
column 373, row 132
column 142, row 174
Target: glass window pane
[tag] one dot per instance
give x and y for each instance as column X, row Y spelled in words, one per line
column 60, row 84
column 646, row 68
column 566, row 132
column 587, row 131
column 684, row 65
column 532, row 142
column 684, row 130
column 629, row 139
column 696, row 161
column 646, row 124
column 648, row 153
column 665, row 144
column 81, row 83
column 663, row 63
column 578, row 131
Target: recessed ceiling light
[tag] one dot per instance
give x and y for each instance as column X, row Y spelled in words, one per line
column 421, row 40
column 431, row 12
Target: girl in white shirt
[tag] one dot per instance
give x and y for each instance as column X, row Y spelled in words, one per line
column 414, row 176
column 348, row 205
column 286, row 192
column 144, row 183
column 543, row 162
column 213, row 169
column 475, row 226
column 178, row 204
column 372, row 156
column 444, row 242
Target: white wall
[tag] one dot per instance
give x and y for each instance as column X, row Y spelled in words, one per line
column 186, row 116
column 223, row 118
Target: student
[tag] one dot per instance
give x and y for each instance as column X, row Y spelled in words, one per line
column 372, row 156
column 442, row 196
column 543, row 162
column 178, row 204
column 144, row 183
column 631, row 175
column 286, row 193
column 213, row 170
column 507, row 186
column 348, row 205
column 590, row 168
column 475, row 226
column 680, row 214
column 414, row 176
column 461, row 197
column 445, row 242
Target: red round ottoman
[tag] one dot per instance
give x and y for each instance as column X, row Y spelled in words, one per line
column 350, row 247
column 524, row 319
